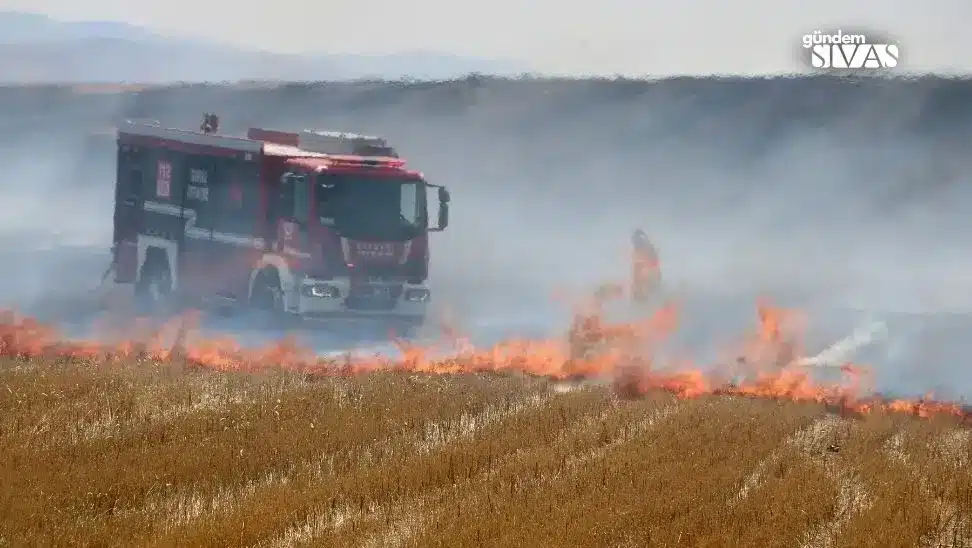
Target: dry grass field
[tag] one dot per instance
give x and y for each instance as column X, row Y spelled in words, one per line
column 144, row 454
column 131, row 446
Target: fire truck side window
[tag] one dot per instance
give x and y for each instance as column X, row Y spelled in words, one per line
column 237, row 198
column 129, row 187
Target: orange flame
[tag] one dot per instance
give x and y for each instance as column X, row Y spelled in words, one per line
column 624, row 353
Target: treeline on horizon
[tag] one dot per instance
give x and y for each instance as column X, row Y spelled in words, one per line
column 936, row 104
column 481, row 79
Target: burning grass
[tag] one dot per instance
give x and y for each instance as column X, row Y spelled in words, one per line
column 157, row 438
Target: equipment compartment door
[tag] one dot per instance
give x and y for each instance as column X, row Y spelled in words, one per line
column 197, row 173
column 129, row 204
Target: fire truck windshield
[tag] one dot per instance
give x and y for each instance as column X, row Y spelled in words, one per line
column 359, row 206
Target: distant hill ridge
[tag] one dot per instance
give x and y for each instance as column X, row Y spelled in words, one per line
column 35, row 48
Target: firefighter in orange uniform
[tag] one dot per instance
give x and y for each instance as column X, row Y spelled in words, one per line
column 780, row 345
column 646, row 269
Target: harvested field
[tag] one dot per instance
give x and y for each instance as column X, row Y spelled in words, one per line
column 143, row 454
column 202, row 445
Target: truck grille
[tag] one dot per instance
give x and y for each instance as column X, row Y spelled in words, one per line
column 373, row 297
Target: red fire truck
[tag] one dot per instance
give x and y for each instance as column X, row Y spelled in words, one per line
column 310, row 224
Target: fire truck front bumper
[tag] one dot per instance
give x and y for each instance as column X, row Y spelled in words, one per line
column 398, row 303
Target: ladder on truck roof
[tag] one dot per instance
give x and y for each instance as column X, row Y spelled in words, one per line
column 337, row 143
column 313, row 141
column 157, row 131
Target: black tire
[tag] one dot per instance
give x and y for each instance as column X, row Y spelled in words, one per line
column 266, row 299
column 266, row 294
column 153, row 289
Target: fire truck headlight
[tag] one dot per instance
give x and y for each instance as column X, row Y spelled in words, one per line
column 417, row 295
column 322, row 291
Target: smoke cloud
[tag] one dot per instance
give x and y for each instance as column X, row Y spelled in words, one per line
column 842, row 196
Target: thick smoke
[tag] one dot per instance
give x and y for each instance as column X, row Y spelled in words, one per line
column 841, row 196
column 55, row 226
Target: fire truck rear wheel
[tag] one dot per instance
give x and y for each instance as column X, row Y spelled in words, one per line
column 154, row 285
column 267, row 295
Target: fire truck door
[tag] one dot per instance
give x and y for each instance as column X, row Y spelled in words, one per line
column 291, row 214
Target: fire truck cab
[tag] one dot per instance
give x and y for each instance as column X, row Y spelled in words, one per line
column 312, row 224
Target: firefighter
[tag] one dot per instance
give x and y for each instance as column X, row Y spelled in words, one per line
column 210, row 123
column 646, row 271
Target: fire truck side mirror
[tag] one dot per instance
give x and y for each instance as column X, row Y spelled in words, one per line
column 444, row 199
column 443, row 216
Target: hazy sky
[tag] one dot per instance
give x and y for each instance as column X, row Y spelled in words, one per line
column 606, row 36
